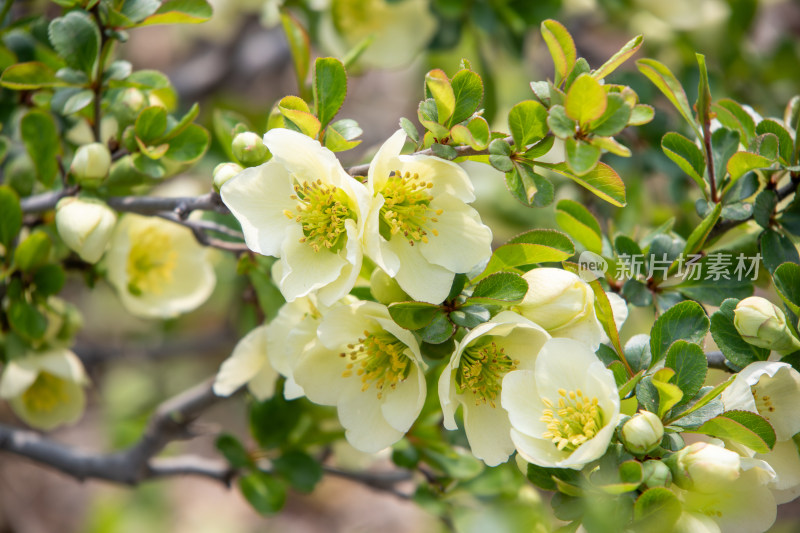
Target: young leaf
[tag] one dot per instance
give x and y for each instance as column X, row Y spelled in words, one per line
column 300, row 47
column 500, row 288
column 668, row 84
column 29, row 76
column 668, row 394
column 524, row 184
column 330, row 88
column 602, row 181
column 686, row 155
column 438, row 84
column 562, row 48
column 582, row 157
column 625, row 53
column 586, row 100
column 785, row 144
column 76, row 38
column 614, row 119
column 743, row 162
column 734, row 117
column 690, row 366
column 532, row 247
column 180, row 12
column 743, row 427
column 151, row 124
column 578, row 222
column 527, row 122
column 468, row 92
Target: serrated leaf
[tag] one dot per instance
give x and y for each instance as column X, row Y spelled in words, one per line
column 641, row 114
column 151, row 124
column 330, row 88
column 734, row 117
column 190, row 145
column 785, row 144
column 787, row 282
column 602, row 181
column 558, row 121
column 684, row 321
column 500, row 288
column 743, row 427
column 524, row 184
column 741, row 163
column 582, row 157
column 299, row 46
column 439, row 330
column 614, row 119
column 579, row 223
column 777, row 249
column 413, row 315
column 76, row 38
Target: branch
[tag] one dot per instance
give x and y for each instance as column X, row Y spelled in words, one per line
column 383, row 481
column 717, row 360
column 138, row 463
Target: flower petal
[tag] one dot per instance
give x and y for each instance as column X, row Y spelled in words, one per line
column 402, row 405
column 385, row 161
column 417, row 277
column 304, row 158
column 446, row 177
column 249, row 356
column 520, row 398
column 489, row 433
column 463, row 240
column 305, row 270
column 361, row 415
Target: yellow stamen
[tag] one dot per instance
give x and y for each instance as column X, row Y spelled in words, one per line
column 46, row 393
column 406, row 208
column 574, row 420
column 151, row 260
column 322, row 211
column 481, row 370
column 379, row 359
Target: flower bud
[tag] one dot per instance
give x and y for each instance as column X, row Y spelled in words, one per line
column 249, row 148
column 91, row 164
column 223, row 172
column 704, row 467
column 131, row 102
column 85, row 226
column 642, row 433
column 762, row 324
column 656, row 474
column 385, row 289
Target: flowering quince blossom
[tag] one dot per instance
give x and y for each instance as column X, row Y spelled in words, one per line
column 420, row 229
column 474, row 376
column 158, row 268
column 302, row 207
column 85, row 226
column 721, row 491
column 772, row 389
column 563, row 304
column 563, row 411
column 45, row 389
column 248, row 364
column 369, row 368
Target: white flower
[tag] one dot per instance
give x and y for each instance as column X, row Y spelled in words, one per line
column 158, row 268
column 85, row 226
column 563, row 304
column 772, row 390
column 420, row 229
column 45, row 389
column 643, row 432
column 369, row 368
column 248, row 364
column 474, row 376
column 762, row 324
column 563, row 412
column 302, row 207
column 728, row 493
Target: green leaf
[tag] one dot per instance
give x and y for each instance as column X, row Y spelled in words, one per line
column 299, row 469
column 705, row 400
column 470, row 316
column 582, row 157
column 724, row 144
column 743, row 427
column 777, row 249
column 41, row 138
column 439, row 330
column 686, row 321
column 686, row 155
column 699, row 235
column 233, row 451
column 561, row 46
column 743, row 162
column 527, row 122
column 334, row 141
column 265, row 492
column 657, row 510
column 468, row 92
column 410, row 129
column 180, row 12
column 298, row 114
column 445, row 151
column 49, row 279
column 735, row 349
column 413, row 315
column 176, row 128
column 785, row 143
column 475, row 134
column 532, row 247
column 614, row 119
column 690, row 366
column 151, row 124
column 429, row 117
column 787, row 282
column 29, row 76
column 299, row 46
column 190, row 145
column 703, row 104
column 528, row 187
column 501, row 288
column 586, row 100
column 26, row 320
column 71, row 100
column 669, row 85
column 602, row 181
column 734, row 117
column 439, row 87
column 764, row 208
column 580, row 224
column 33, row 251
column 10, row 216
column 625, row 53
column 641, row 114
column 274, row 420
column 560, row 123
column 76, row 38
column 330, row 88
column 668, row 394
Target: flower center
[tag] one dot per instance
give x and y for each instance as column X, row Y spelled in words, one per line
column 322, row 211
column 573, row 421
column 406, row 208
column 481, row 371
column 46, row 393
column 379, row 359
column 151, row 261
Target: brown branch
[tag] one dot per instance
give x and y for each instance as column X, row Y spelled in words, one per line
column 170, row 422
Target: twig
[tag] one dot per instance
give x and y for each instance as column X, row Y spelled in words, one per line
column 170, row 422
column 199, row 229
column 384, row 481
column 717, row 360
column 725, row 225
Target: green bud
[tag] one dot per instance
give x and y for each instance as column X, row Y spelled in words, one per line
column 385, row 289
column 642, row 433
column 249, row 149
column 762, row 324
column 223, row 172
column 131, row 103
column 91, row 164
column 656, row 474
column 85, row 225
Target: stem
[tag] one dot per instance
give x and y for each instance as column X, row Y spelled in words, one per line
column 710, row 161
column 97, row 84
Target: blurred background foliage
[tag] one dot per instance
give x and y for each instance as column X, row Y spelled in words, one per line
column 240, row 61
